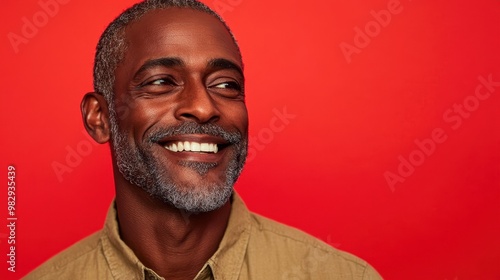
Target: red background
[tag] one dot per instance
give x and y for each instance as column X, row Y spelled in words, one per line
column 321, row 171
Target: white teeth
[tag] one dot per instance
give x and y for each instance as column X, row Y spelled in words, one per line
column 173, row 148
column 193, row 147
column 204, row 147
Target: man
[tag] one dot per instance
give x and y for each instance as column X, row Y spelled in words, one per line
column 169, row 96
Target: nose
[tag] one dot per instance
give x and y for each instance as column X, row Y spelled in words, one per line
column 196, row 104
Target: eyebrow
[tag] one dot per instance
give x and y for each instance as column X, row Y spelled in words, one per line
column 163, row 61
column 222, row 63
column 215, row 64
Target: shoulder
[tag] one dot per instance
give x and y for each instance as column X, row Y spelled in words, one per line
column 302, row 255
column 73, row 261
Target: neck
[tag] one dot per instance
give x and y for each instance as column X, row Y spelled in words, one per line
column 174, row 243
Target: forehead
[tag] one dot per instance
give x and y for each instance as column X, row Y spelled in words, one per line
column 178, row 32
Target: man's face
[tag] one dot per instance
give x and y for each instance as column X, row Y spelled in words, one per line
column 184, row 137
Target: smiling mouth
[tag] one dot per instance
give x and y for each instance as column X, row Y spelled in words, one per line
column 190, row 146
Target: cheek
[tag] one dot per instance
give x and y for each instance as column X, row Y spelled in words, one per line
column 138, row 116
column 238, row 116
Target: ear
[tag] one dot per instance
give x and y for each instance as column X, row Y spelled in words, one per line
column 96, row 116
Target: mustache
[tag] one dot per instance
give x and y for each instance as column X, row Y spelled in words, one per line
column 159, row 133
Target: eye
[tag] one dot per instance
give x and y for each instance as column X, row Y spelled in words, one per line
column 228, row 85
column 160, row 82
column 227, row 88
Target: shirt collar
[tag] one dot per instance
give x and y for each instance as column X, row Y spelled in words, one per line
column 226, row 262
column 122, row 261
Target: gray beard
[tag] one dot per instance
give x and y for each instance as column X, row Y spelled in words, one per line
column 138, row 166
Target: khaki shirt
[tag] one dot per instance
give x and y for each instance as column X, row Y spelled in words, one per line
column 253, row 247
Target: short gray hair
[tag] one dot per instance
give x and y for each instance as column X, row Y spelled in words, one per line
column 112, row 45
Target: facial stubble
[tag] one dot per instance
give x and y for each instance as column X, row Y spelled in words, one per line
column 139, row 166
